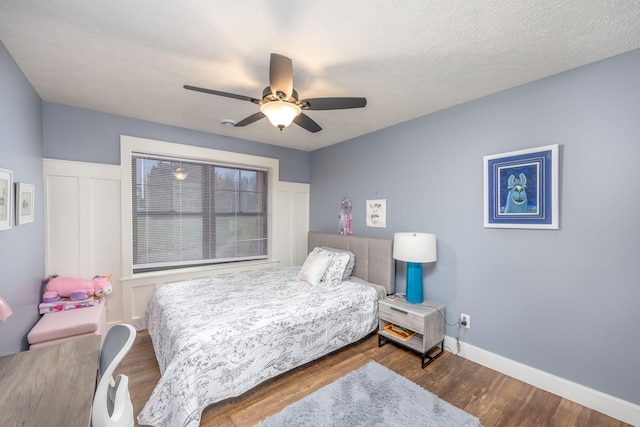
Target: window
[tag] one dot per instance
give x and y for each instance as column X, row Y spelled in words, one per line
column 188, row 213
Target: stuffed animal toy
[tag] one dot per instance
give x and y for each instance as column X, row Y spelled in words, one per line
column 75, row 289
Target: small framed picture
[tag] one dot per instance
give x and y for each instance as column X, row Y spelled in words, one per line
column 6, row 197
column 24, row 203
column 377, row 213
column 521, row 189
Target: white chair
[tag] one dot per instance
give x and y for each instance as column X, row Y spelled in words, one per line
column 112, row 405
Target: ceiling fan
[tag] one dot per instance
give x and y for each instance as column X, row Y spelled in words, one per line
column 280, row 102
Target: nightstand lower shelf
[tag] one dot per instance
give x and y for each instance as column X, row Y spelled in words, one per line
column 427, row 359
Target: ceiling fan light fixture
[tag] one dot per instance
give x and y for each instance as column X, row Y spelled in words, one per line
column 180, row 174
column 280, row 113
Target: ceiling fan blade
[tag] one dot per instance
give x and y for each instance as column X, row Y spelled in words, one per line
column 333, row 103
column 217, row 92
column 281, row 75
column 252, row 118
column 307, row 122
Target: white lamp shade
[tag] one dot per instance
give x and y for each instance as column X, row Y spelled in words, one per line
column 414, row 247
column 280, row 113
column 5, row 310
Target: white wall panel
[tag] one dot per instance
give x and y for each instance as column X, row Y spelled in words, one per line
column 105, row 237
column 293, row 222
column 82, row 224
column 62, row 226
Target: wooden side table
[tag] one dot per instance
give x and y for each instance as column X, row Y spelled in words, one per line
column 427, row 320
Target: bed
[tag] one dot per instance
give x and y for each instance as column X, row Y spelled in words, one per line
column 219, row 337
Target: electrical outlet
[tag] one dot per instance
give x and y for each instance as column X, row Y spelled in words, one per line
column 465, row 321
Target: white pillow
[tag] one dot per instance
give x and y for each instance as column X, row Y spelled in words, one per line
column 315, row 266
column 350, row 264
column 334, row 272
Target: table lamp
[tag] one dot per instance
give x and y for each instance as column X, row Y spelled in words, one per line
column 5, row 310
column 415, row 249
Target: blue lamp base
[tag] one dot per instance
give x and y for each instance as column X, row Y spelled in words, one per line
column 414, row 282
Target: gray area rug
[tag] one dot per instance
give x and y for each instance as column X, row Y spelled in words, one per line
column 371, row 396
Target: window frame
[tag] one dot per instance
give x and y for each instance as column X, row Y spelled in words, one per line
column 130, row 146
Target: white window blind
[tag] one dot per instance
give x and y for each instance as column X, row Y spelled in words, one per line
column 203, row 213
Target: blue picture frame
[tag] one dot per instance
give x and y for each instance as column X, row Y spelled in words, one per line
column 521, row 189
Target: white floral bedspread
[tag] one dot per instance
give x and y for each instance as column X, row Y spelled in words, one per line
column 217, row 338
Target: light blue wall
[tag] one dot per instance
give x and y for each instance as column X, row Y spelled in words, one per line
column 21, row 247
column 564, row 301
column 88, row 136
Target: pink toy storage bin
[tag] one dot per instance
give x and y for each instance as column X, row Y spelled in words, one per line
column 58, row 327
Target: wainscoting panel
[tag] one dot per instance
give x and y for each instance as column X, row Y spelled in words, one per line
column 141, row 294
column 82, row 224
column 293, row 222
column 62, row 228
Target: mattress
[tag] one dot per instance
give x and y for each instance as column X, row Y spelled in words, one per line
column 219, row 337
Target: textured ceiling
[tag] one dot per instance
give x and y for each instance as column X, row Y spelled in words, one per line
column 408, row 58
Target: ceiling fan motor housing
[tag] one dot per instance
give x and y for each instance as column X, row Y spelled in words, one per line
column 268, row 95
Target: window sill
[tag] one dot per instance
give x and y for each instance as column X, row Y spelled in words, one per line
column 192, row 273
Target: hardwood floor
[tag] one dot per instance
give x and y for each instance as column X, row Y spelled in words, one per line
column 496, row 399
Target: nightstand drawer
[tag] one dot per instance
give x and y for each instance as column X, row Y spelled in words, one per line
column 402, row 318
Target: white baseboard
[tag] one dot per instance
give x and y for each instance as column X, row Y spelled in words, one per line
column 609, row 405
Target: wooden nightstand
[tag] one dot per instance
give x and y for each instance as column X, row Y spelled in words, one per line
column 426, row 319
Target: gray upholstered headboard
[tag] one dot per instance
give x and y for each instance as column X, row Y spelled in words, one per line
column 374, row 257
